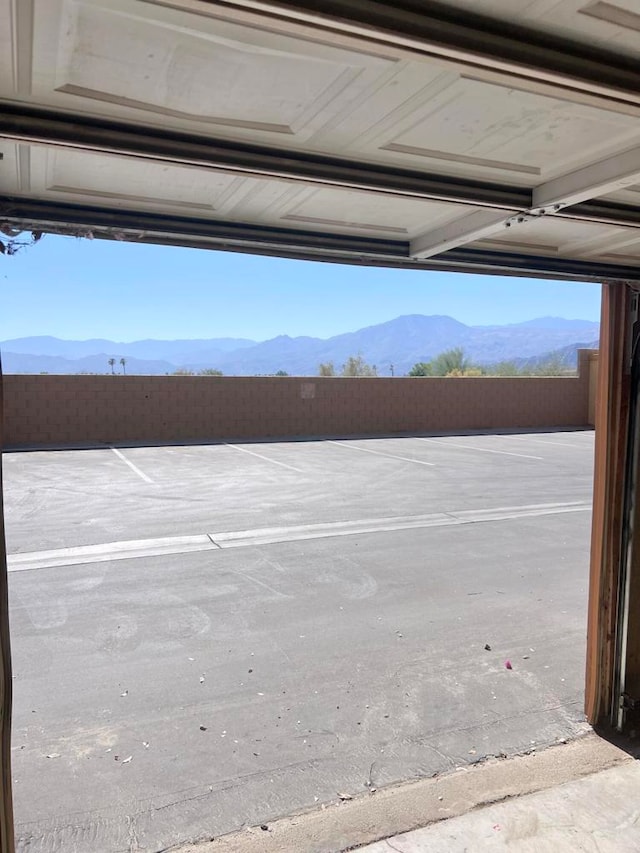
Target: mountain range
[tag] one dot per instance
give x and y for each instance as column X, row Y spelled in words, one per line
column 401, row 342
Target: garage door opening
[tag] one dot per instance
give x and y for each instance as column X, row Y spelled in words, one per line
column 228, row 630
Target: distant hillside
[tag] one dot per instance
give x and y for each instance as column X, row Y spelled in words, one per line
column 401, row 342
column 22, row 363
column 177, row 351
column 566, row 356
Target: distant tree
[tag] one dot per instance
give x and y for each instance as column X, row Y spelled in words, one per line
column 326, row 369
column 123, row 362
column 505, row 368
column 281, row 373
column 183, row 371
column 447, row 362
column 112, row 363
column 468, row 371
column 552, row 366
column 210, row 371
column 355, row 365
column 421, row 368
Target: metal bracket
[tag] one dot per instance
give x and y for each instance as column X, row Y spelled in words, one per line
column 629, row 703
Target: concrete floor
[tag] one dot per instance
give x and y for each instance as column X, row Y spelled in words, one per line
column 207, row 637
column 582, row 800
column 597, row 814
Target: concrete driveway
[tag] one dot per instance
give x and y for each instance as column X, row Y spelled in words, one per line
column 211, row 636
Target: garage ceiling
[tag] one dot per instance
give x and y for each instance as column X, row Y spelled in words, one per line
column 476, row 135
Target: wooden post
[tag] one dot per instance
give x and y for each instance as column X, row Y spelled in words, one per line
column 612, row 410
column 593, row 387
column 6, row 807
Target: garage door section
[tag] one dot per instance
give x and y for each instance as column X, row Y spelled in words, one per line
column 467, row 136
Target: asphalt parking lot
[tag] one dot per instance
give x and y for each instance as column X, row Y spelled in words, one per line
column 210, row 636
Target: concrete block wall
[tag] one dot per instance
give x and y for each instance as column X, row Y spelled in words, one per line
column 67, row 410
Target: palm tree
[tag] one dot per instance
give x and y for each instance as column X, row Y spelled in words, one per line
column 123, row 362
column 112, row 362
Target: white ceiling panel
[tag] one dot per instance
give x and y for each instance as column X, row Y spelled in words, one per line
column 160, row 66
column 10, row 173
column 548, row 235
column 630, row 254
column 362, row 212
column 490, row 130
column 119, row 182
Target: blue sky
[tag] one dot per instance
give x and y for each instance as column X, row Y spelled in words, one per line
column 82, row 289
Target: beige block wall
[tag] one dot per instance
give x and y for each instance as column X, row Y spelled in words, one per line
column 63, row 410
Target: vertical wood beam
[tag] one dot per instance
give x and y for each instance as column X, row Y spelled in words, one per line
column 6, row 804
column 612, row 409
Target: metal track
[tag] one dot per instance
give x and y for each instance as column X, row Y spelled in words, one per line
column 145, row 227
column 438, row 30
column 23, row 124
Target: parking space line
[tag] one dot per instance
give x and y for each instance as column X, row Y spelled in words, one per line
column 540, row 441
column 479, row 449
column 379, row 453
column 133, row 467
column 265, row 458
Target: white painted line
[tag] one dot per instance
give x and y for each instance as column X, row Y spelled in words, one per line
column 506, row 513
column 557, row 443
column 133, row 467
column 379, row 453
column 126, row 549
column 479, row 449
column 131, row 549
column 274, row 535
column 265, row 458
